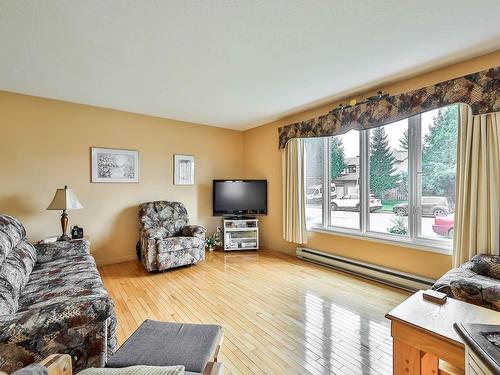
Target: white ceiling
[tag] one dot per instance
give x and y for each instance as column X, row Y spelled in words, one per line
column 230, row 63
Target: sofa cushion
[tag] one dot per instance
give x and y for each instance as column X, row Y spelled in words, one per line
column 479, row 290
column 11, row 232
column 14, row 274
column 178, row 243
column 61, row 281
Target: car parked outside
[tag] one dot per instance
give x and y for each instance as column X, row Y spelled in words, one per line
column 431, row 206
column 315, row 193
column 443, row 225
column 351, row 203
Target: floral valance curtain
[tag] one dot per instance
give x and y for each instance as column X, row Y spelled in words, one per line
column 478, row 90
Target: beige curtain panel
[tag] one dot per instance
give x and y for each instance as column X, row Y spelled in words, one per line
column 293, row 173
column 477, row 223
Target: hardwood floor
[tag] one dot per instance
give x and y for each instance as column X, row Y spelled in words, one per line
column 281, row 315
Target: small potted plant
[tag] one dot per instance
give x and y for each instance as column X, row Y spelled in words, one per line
column 400, row 226
column 212, row 241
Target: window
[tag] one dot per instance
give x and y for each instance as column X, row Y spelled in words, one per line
column 395, row 182
column 314, row 149
column 344, row 180
column 388, row 176
column 437, row 164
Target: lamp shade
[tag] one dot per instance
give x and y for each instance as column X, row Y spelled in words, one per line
column 65, row 199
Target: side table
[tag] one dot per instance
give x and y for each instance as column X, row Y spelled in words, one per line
column 423, row 334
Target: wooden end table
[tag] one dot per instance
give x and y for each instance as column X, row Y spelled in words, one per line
column 423, row 334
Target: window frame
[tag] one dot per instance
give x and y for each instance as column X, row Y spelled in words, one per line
column 414, row 239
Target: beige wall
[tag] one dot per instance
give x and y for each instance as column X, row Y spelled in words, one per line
column 45, row 144
column 263, row 160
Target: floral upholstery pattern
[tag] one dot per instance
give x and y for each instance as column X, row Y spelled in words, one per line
column 162, row 219
column 177, row 243
column 479, row 90
column 179, row 258
column 478, row 290
column 55, row 250
column 166, row 240
column 11, row 232
column 477, row 282
column 61, row 308
column 14, row 274
column 194, row 231
column 486, row 265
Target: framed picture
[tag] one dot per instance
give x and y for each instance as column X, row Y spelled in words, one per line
column 114, row 165
column 183, row 170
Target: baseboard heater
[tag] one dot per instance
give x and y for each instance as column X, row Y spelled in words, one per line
column 387, row 276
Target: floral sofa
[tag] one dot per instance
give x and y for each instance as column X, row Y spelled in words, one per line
column 166, row 239
column 477, row 282
column 52, row 300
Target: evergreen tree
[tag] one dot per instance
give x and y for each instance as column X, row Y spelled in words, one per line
column 383, row 174
column 403, row 185
column 404, row 141
column 439, row 156
column 337, row 156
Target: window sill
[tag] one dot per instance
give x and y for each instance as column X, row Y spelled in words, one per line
column 422, row 244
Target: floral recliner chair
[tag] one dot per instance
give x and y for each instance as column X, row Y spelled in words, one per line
column 166, row 240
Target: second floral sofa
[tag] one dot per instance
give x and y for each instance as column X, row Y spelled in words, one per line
column 476, row 281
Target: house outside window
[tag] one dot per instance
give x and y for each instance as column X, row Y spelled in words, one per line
column 352, row 168
column 395, row 182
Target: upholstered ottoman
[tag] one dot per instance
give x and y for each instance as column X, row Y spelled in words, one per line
column 157, row 343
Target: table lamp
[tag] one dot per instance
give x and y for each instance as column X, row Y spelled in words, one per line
column 64, row 199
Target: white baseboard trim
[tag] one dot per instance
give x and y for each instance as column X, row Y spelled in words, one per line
column 388, row 276
column 106, row 261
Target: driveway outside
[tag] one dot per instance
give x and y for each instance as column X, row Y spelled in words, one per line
column 380, row 221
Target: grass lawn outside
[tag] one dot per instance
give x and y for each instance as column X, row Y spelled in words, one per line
column 388, row 204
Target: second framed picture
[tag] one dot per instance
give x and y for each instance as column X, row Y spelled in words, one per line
column 183, row 169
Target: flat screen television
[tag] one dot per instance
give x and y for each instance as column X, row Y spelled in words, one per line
column 239, row 197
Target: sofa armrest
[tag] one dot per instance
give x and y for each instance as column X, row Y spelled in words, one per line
column 88, row 309
column 443, row 284
column 478, row 290
column 194, row 231
column 54, row 250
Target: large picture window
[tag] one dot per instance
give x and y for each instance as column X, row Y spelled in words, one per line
column 395, row 182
